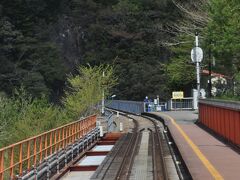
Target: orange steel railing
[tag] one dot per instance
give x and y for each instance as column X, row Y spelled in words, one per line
column 28, row 153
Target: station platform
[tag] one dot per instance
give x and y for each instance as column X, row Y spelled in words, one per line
column 205, row 156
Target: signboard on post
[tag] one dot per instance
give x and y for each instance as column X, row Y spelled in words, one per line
column 197, row 55
column 177, row 95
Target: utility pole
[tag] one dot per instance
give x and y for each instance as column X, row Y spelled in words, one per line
column 210, row 74
column 197, row 57
column 197, row 65
column 103, row 105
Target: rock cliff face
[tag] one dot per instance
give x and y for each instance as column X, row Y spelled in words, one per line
column 132, row 35
column 41, row 41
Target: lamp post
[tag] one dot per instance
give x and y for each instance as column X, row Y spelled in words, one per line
column 113, row 96
column 102, row 111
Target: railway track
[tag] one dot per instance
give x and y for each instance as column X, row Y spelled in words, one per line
column 140, row 155
column 150, row 126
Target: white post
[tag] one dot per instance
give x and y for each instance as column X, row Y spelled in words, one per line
column 198, row 78
column 103, row 97
column 121, row 126
column 195, row 99
column 101, row 131
column 196, row 40
column 197, row 69
column 197, row 57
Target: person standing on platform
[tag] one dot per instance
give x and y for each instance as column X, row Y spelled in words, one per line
column 146, row 103
column 150, row 102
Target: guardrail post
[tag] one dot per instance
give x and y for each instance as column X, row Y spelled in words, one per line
column 1, row 165
column 50, row 143
column 20, row 159
column 29, row 154
column 35, row 152
column 12, row 162
column 45, row 145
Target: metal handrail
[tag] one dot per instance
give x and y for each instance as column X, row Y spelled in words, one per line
column 185, row 103
column 32, row 151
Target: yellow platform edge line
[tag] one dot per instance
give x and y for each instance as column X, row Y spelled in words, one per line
column 205, row 161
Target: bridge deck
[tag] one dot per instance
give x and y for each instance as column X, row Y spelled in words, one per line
column 205, row 156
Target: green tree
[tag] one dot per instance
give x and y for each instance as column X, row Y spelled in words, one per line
column 128, row 34
column 180, row 70
column 28, row 55
column 222, row 34
column 23, row 116
column 85, row 90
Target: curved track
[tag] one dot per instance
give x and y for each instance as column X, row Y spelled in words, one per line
column 126, row 168
column 155, row 145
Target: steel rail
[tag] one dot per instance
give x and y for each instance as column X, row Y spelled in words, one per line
column 175, row 154
column 129, row 143
column 159, row 168
column 109, row 165
column 129, row 155
column 156, row 166
column 128, row 158
column 153, row 156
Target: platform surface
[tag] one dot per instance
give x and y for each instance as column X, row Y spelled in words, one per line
column 205, row 156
